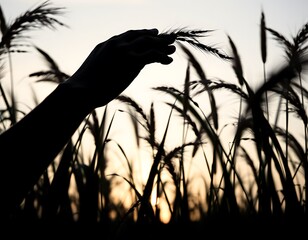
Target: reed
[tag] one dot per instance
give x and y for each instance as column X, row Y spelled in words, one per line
column 193, row 38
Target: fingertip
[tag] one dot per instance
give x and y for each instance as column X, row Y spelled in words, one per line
column 154, row 31
column 172, row 37
column 167, row 60
column 169, row 38
column 171, row 49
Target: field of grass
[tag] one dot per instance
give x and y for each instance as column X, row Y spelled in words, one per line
column 256, row 181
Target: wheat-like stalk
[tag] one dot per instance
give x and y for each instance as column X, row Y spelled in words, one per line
column 41, row 16
column 192, row 36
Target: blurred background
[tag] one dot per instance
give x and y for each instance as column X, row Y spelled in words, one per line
column 92, row 21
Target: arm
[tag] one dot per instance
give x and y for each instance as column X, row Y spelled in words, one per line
column 28, row 147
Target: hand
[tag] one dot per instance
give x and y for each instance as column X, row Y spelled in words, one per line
column 115, row 63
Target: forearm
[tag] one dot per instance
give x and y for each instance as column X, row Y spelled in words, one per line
column 29, row 146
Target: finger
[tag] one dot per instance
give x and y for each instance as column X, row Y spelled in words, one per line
column 152, row 56
column 160, row 40
column 166, row 60
column 146, row 43
column 133, row 34
column 169, row 38
column 170, row 49
column 167, row 50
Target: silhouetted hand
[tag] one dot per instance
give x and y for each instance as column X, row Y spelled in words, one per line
column 40, row 135
column 115, row 63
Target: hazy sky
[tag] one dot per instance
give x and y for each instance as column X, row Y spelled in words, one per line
column 93, row 21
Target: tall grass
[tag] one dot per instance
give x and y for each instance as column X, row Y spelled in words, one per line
column 261, row 174
column 14, row 36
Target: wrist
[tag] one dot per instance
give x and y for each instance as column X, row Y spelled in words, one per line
column 88, row 95
column 76, row 97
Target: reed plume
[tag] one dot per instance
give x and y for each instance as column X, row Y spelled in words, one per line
column 41, row 16
column 192, row 38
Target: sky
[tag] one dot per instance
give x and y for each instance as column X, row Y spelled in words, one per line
column 92, row 21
